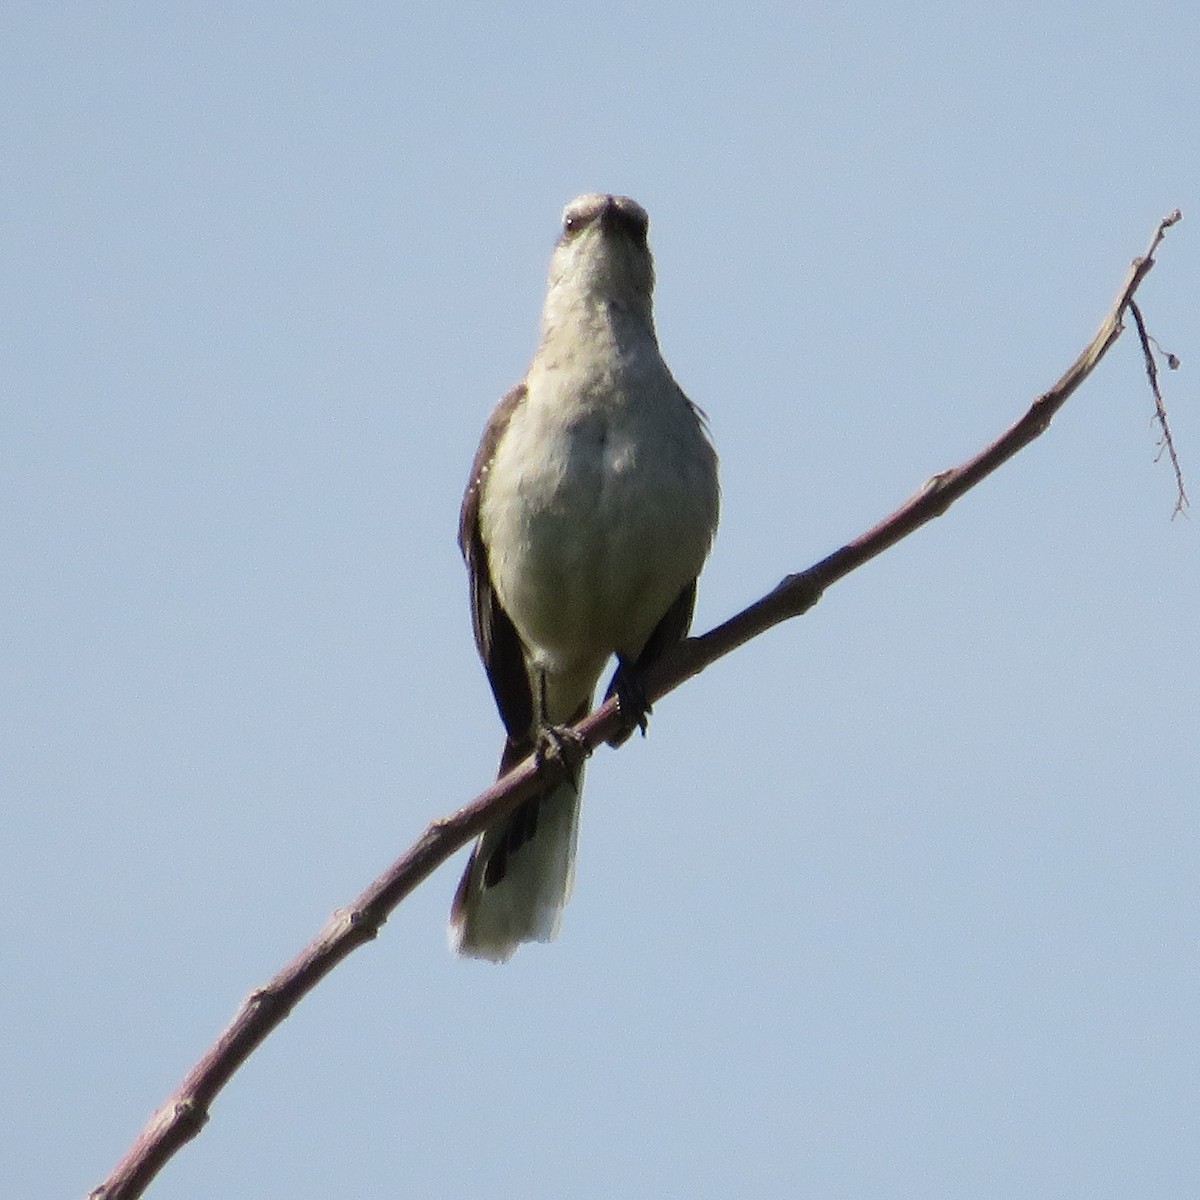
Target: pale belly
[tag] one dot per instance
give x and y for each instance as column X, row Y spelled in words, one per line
column 594, row 534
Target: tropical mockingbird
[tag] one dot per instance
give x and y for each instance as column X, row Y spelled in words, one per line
column 590, row 510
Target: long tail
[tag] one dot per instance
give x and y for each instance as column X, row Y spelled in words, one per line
column 520, row 872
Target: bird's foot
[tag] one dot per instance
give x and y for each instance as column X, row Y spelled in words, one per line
column 632, row 701
column 560, row 744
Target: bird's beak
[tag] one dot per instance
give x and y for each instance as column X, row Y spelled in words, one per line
column 609, row 213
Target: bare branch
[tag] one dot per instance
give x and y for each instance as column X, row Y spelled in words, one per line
column 185, row 1112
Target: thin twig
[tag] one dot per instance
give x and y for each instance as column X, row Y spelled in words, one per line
column 1165, row 442
column 186, row 1111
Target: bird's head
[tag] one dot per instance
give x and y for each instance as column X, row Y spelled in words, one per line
column 602, row 256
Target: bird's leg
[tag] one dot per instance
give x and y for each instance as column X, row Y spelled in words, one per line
column 559, row 743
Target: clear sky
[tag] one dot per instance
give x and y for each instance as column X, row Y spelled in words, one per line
column 899, row 901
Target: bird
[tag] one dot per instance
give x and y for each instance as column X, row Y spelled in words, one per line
column 591, row 508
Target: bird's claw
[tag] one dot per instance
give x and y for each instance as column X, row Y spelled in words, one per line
column 560, row 744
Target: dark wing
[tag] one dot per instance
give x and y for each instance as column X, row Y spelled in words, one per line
column 671, row 629
column 495, row 635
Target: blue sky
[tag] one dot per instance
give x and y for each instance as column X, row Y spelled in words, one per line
column 900, row 900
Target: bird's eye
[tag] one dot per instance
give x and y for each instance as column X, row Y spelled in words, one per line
column 573, row 224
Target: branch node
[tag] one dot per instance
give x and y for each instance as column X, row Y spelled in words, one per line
column 258, row 997
column 190, row 1114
